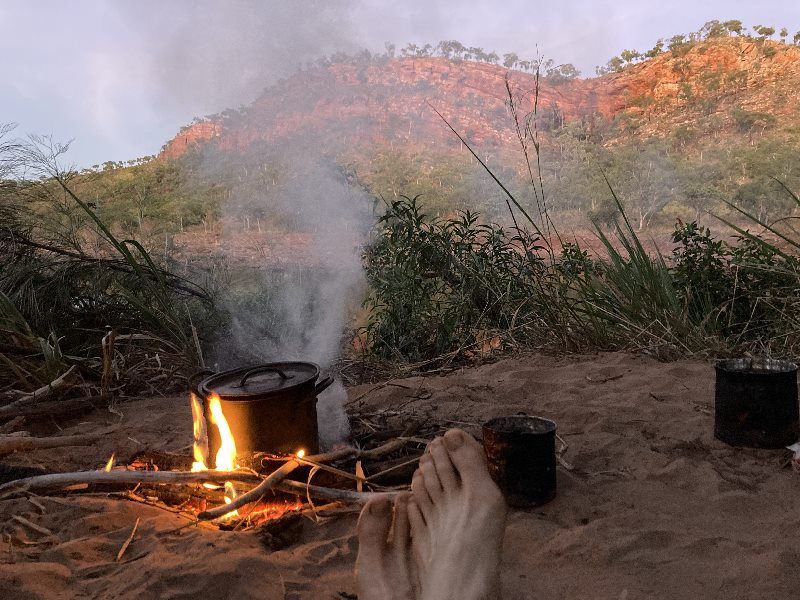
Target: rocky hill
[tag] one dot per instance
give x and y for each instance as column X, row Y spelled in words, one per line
column 729, row 86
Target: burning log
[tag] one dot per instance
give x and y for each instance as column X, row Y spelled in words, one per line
column 253, row 495
column 278, row 476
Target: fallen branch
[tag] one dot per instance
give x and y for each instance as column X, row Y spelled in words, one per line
column 13, row 443
column 53, row 481
column 42, row 392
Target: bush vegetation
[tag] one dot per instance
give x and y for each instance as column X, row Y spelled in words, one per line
column 439, row 287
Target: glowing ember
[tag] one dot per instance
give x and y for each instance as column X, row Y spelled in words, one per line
column 230, row 494
column 109, row 464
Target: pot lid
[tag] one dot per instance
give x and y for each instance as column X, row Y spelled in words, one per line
column 260, row 380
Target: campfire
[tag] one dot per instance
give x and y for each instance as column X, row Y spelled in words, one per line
column 255, row 455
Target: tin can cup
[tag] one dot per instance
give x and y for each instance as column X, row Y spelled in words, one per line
column 755, row 403
column 521, row 456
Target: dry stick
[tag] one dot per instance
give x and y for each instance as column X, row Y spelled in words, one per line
column 278, row 476
column 60, row 480
column 380, row 474
column 334, row 470
column 296, row 487
column 12, row 443
column 128, row 541
column 34, row 526
column 42, row 392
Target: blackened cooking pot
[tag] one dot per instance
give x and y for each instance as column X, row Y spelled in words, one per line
column 269, row 408
column 755, row 403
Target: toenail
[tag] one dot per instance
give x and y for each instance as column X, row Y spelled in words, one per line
column 454, row 441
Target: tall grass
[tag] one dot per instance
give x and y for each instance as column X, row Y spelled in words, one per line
column 102, row 302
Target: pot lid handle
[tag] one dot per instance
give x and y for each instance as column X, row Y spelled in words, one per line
column 263, row 369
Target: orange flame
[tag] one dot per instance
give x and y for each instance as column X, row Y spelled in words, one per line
column 301, row 453
column 109, row 464
column 225, row 459
column 199, row 433
column 226, row 455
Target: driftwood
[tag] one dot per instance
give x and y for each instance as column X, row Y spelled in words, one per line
column 12, row 443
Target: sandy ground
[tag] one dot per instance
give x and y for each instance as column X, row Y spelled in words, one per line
column 654, row 507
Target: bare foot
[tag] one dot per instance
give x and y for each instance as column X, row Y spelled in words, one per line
column 384, row 567
column 457, row 516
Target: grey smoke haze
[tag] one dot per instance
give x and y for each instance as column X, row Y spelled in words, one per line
column 303, row 317
column 308, row 300
column 207, row 54
column 121, row 76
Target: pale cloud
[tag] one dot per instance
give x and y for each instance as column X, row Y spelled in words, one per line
column 121, row 76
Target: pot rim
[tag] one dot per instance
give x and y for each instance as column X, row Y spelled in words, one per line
column 210, row 384
column 755, row 366
column 492, row 425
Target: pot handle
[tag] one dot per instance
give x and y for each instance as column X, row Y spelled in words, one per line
column 263, row 369
column 199, row 376
column 323, row 384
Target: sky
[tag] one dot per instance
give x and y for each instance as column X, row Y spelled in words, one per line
column 120, row 77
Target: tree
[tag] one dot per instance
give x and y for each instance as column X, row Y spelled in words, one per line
column 796, row 38
column 734, row 26
column 764, row 31
column 655, row 50
column 714, row 29
column 643, row 178
column 630, row 56
column 562, row 73
column 783, row 34
column 615, row 65
column 510, row 60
